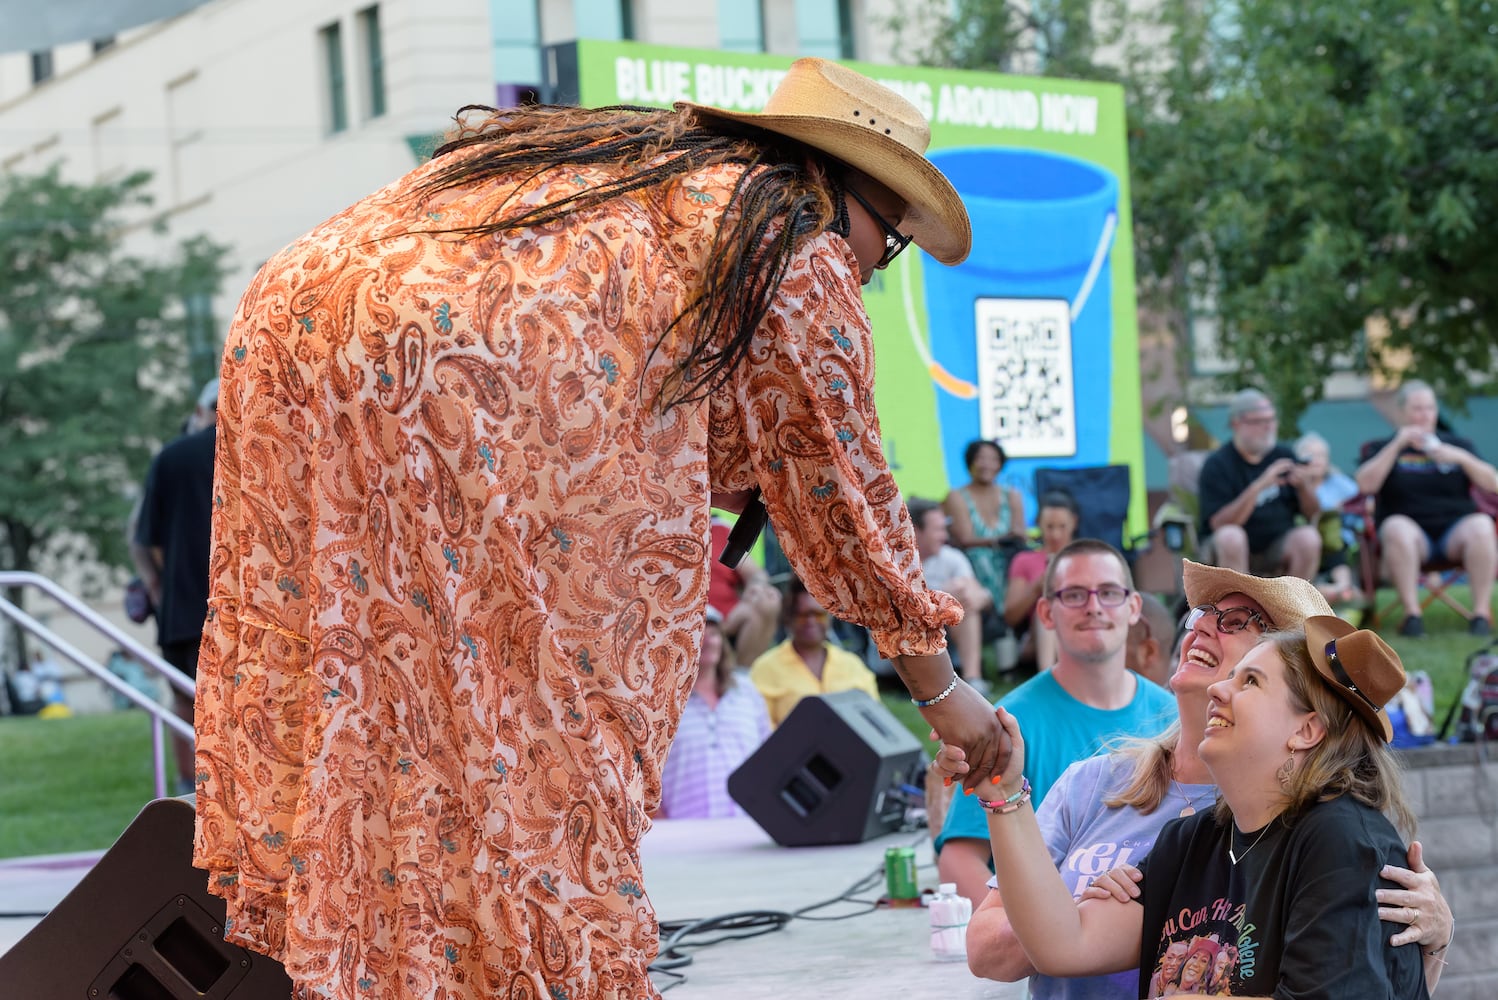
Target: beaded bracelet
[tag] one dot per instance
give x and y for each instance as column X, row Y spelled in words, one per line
column 948, row 690
column 1001, row 806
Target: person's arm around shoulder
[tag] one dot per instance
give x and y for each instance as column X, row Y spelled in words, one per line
column 1420, row 905
column 1377, row 466
column 1332, row 870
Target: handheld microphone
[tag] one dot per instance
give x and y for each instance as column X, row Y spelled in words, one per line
column 745, row 531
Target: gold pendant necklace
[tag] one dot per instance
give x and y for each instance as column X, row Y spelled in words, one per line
column 1189, row 809
column 1235, row 858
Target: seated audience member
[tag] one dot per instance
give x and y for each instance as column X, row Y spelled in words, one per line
column 1251, row 491
column 1105, row 812
column 1299, row 757
column 749, row 603
column 806, row 663
column 1152, row 641
column 1057, row 520
column 1088, row 698
column 1333, row 489
column 1423, row 478
column 986, row 518
column 724, row 721
column 948, row 570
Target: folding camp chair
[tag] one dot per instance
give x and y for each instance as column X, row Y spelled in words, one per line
column 1437, row 574
column 1102, row 496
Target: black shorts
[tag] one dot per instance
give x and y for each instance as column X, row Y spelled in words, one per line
column 182, row 655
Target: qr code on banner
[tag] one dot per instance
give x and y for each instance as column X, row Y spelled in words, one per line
column 1025, row 385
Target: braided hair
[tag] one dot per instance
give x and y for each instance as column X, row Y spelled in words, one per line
column 787, row 192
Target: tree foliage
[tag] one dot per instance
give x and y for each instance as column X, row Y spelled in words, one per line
column 1057, row 37
column 1307, row 168
column 94, row 362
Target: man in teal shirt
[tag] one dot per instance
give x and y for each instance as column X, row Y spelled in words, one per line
column 1070, row 711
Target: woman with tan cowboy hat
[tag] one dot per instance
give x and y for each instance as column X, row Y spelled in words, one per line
column 1109, row 811
column 469, row 432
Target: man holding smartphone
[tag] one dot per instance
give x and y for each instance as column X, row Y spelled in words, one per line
column 1251, row 491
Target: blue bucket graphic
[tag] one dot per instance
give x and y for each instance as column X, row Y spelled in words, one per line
column 1021, row 332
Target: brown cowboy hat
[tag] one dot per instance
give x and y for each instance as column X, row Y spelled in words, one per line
column 1288, row 600
column 1358, row 665
column 873, row 129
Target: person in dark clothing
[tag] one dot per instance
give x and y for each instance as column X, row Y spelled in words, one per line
column 1251, row 491
column 171, row 547
column 1423, row 478
column 1286, row 867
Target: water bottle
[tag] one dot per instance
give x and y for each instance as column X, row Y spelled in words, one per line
column 949, row 917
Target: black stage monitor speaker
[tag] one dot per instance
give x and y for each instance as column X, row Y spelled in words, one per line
column 826, row 774
column 141, row 925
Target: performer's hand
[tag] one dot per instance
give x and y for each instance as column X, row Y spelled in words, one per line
column 1419, row 903
column 1122, row 883
column 966, row 720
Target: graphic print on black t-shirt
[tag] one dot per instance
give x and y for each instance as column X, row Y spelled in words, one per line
column 1205, row 952
column 1294, row 915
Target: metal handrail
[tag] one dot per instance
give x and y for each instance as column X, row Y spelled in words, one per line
column 161, row 715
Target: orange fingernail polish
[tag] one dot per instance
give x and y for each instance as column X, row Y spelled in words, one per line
column 995, row 778
column 947, row 782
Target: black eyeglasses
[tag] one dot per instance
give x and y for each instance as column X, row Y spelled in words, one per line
column 1229, row 620
column 1109, row 595
column 894, row 240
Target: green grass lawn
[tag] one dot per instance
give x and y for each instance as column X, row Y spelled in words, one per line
column 75, row 784
column 72, row 784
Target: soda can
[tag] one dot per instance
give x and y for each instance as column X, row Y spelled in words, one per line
column 899, row 873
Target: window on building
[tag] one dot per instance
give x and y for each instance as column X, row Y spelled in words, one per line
column 627, row 19
column 741, row 25
column 109, row 145
column 373, row 48
column 825, row 28
column 41, row 66
column 185, row 116
column 100, row 44
column 330, row 40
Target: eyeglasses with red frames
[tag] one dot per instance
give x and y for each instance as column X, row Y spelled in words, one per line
column 895, row 241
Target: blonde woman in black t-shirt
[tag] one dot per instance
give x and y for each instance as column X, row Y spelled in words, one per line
column 1286, row 867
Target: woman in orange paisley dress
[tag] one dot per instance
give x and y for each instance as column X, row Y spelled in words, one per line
column 469, row 431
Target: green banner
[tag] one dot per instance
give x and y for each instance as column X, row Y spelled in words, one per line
column 1033, row 340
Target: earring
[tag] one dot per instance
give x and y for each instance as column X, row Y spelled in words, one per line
column 1286, row 771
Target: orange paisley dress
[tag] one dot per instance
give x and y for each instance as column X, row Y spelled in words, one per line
column 459, row 572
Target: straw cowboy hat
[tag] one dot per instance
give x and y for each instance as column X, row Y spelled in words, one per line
column 1288, row 600
column 1359, row 666
column 871, row 128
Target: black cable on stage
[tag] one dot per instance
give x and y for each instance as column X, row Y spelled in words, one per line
column 675, row 935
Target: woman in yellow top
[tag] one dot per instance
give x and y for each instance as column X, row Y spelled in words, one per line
column 469, row 432
column 806, row 663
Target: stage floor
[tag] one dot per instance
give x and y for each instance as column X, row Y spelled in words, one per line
column 696, row 869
